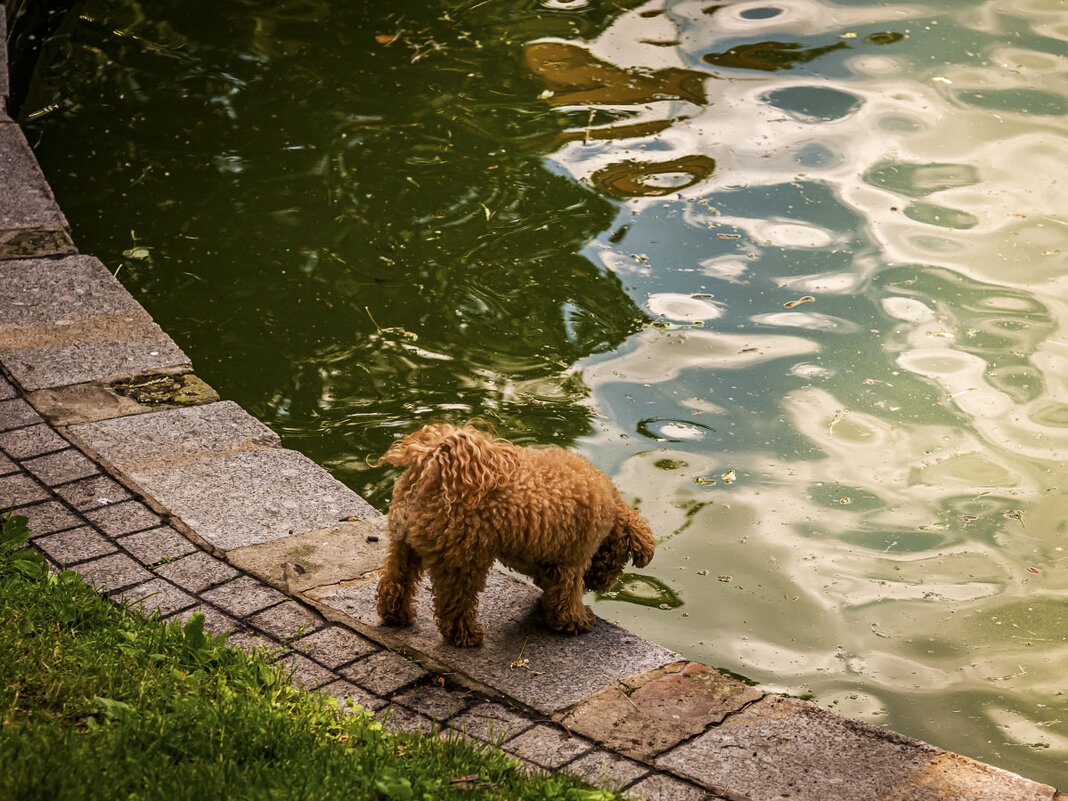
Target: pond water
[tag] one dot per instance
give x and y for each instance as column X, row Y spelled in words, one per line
column 793, row 273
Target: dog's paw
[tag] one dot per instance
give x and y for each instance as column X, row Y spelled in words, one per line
column 395, row 611
column 573, row 625
column 461, row 634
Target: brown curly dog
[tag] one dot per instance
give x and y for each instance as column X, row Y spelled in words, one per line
column 467, row 499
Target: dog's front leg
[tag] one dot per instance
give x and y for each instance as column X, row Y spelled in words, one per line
column 456, row 589
column 562, row 601
column 395, row 596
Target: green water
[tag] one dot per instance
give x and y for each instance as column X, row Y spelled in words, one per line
column 792, row 272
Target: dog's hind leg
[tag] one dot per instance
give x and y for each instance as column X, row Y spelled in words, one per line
column 456, row 590
column 561, row 600
column 395, row 596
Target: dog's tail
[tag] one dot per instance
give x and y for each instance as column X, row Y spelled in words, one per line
column 464, row 463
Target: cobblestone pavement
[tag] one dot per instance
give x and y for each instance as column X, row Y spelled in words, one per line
column 133, row 473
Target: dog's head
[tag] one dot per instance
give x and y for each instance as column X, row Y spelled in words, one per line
column 630, row 538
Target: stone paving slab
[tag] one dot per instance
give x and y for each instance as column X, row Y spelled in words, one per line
column 68, row 321
column 548, row 680
column 93, row 401
column 220, row 472
column 26, row 200
column 293, row 564
column 782, row 747
column 645, row 715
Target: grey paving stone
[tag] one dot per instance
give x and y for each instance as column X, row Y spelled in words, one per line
column 562, row 669
column 606, row 769
column 92, row 493
column 248, row 497
column 48, row 517
column 491, row 722
column 439, row 703
column 156, row 595
column 334, row 646
column 156, row 545
column 20, row 489
column 547, row 746
column 69, row 321
column 243, row 596
column 75, row 545
column 6, row 389
column 383, row 673
column 61, row 467
column 196, row 572
column 215, row 621
column 343, row 690
column 25, row 443
column 400, row 719
column 781, row 746
column 16, row 413
column 123, row 518
column 113, row 572
column 307, row 673
column 7, row 466
column 134, row 443
column 661, row 787
column 287, row 620
column 26, row 201
column 248, row 641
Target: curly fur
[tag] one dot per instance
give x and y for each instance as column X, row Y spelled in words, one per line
column 467, row 499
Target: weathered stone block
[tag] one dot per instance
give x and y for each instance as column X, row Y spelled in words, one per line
column 400, row 719
column 325, row 556
column 305, row 672
column 607, row 769
column 92, row 493
column 74, row 545
column 25, row 443
column 69, row 321
column 7, row 466
column 334, row 646
column 491, row 722
column 61, row 467
column 243, row 596
column 50, row 516
column 215, row 621
column 383, row 672
column 547, row 746
column 644, row 715
column 196, row 572
column 156, row 595
column 438, row 703
column 26, row 200
column 127, row 517
column 344, row 690
column 287, row 620
column 20, row 489
column 113, row 572
column 158, row 544
column 661, row 787
column 781, row 746
column 519, row 656
column 152, row 440
column 16, row 413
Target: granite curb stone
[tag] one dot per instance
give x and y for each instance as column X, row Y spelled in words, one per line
column 68, row 321
column 26, row 199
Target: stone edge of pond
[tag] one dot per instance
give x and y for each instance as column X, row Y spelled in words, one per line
column 134, row 474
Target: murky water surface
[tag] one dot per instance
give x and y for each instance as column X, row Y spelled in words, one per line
column 792, row 272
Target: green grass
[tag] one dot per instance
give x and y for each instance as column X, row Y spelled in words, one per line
column 96, row 702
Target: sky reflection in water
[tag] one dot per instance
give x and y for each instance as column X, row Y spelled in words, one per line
column 793, row 273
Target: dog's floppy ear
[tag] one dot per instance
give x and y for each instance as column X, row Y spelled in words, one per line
column 640, row 541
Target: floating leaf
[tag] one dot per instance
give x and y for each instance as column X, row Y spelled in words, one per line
column 791, row 303
column 138, row 253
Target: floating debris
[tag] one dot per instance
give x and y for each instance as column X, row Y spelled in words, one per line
column 791, row 303
column 1032, row 570
column 729, row 477
column 1014, row 514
